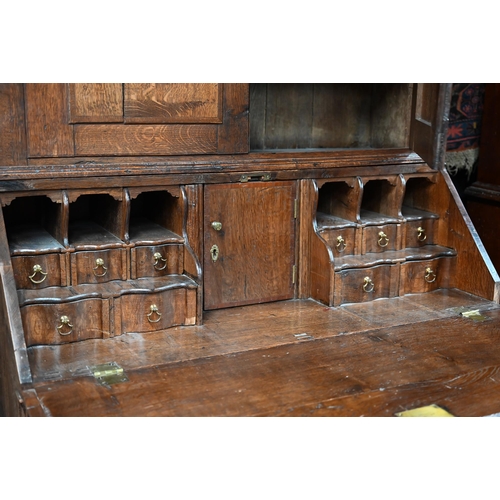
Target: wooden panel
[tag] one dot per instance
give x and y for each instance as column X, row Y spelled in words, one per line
column 256, row 243
column 12, row 126
column 95, row 102
column 173, row 102
column 233, row 133
column 49, row 131
column 95, row 140
column 43, row 325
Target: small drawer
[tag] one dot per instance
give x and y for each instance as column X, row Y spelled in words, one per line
column 149, row 312
column 40, row 271
column 364, row 285
column 99, row 266
column 341, row 241
column 65, row 322
column 419, row 233
column 380, row 238
column 160, row 260
column 427, row 275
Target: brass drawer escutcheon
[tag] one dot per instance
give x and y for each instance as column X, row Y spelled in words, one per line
column 158, row 260
column 368, row 285
column 383, row 240
column 37, row 268
column 99, row 263
column 65, row 323
column 214, row 253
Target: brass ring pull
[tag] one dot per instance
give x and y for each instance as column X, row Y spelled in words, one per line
column 65, row 322
column 100, row 263
column 341, row 244
column 421, row 236
column 158, row 258
column 383, row 240
column 37, row 268
column 429, row 273
column 368, row 286
column 153, row 309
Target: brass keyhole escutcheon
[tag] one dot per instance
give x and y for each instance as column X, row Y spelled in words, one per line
column 158, row 261
column 153, row 312
column 421, row 236
column 37, row 268
column 368, row 285
column 65, row 324
column 430, row 275
column 99, row 263
column 383, row 240
column 214, row 253
column 341, row 244
column 217, row 225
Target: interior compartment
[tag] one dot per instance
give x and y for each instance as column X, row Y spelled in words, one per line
column 155, row 217
column 329, row 115
column 33, row 223
column 379, row 203
column 337, row 205
column 418, row 193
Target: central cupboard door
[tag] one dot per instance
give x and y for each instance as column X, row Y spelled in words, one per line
column 249, row 253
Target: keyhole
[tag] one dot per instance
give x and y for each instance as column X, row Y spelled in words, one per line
column 214, row 251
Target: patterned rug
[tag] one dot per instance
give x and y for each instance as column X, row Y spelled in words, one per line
column 464, row 128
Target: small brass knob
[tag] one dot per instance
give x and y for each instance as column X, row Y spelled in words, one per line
column 217, row 225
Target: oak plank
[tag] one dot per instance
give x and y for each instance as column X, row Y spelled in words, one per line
column 12, row 126
column 95, row 102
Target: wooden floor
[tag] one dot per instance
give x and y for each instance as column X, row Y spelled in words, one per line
column 293, row 358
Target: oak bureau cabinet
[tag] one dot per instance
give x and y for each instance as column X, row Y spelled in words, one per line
column 131, row 209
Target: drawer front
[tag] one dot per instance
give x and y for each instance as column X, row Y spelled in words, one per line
column 149, row 312
column 419, row 233
column 40, row 271
column 99, row 266
column 427, row 275
column 341, row 241
column 66, row 322
column 160, row 260
column 363, row 285
column 380, row 238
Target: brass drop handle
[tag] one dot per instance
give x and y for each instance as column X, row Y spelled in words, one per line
column 368, row 286
column 99, row 263
column 65, row 323
column 37, row 268
column 217, row 225
column 383, row 240
column 214, row 253
column 421, row 236
column 430, row 275
column 153, row 310
column 341, row 244
column 158, row 260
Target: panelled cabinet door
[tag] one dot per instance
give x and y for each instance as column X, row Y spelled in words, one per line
column 114, row 119
column 249, row 243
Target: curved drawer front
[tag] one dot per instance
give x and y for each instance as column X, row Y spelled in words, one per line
column 380, row 238
column 64, row 322
column 341, row 241
column 427, row 275
column 98, row 266
column 159, row 260
column 148, row 312
column 363, row 285
column 39, row 271
column 419, row 233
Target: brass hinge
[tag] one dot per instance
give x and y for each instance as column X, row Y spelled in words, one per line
column 295, row 208
column 108, row 373
column 294, row 274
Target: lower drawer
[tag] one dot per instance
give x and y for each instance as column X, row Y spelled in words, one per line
column 39, row 271
column 363, row 285
column 65, row 322
column 98, row 266
column 148, row 312
column 160, row 260
column 427, row 275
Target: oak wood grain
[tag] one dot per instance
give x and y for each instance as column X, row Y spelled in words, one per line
column 12, row 125
column 95, row 102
